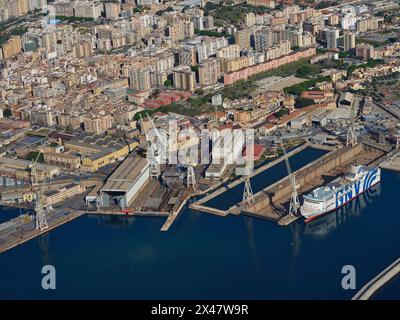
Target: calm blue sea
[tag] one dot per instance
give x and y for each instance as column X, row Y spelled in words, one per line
column 209, row 257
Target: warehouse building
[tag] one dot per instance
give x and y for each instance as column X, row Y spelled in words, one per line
column 17, row 168
column 125, row 182
column 99, row 150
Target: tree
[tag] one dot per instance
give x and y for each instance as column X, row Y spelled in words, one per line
column 69, row 129
column 295, row 48
column 303, row 102
column 168, row 83
column 282, row 112
column 7, row 113
column 33, row 155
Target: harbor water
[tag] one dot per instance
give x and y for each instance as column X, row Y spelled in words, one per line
column 209, row 257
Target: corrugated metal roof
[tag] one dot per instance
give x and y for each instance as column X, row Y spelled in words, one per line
column 126, row 174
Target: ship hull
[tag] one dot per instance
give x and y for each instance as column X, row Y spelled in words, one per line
column 318, row 215
column 343, row 196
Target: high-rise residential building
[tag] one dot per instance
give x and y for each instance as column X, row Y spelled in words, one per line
column 278, row 50
column 112, row 10
column 311, row 27
column 4, row 16
column 250, row 19
column 180, row 31
column 234, row 64
column 365, row 51
column 349, row 22
column 229, row 52
column 209, row 72
column 242, row 39
column 349, row 40
column 82, row 50
column 296, row 38
column 208, row 22
column 206, row 46
column 98, row 124
column 110, row 36
column 63, row 9
column 332, row 36
column 308, row 39
column 88, row 9
column 184, row 78
column 43, row 118
column 203, row 22
column 262, row 39
column 140, row 79
column 36, row 4
column 17, row 8
column 12, row 47
column 187, row 56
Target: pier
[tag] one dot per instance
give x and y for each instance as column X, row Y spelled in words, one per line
column 368, row 290
column 176, row 210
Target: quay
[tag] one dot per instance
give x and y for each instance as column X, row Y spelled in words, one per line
column 177, row 209
column 369, row 289
column 392, row 163
column 20, row 230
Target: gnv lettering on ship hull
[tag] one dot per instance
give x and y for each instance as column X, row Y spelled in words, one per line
column 345, row 195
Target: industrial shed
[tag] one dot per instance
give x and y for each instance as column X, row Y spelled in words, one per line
column 125, row 182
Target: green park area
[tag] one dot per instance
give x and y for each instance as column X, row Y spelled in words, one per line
column 302, row 68
column 228, row 12
column 191, row 108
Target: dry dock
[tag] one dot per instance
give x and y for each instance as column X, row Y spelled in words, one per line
column 368, row 290
column 199, row 205
column 392, row 163
column 17, row 231
column 272, row 202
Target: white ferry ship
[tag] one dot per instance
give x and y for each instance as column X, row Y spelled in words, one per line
column 339, row 192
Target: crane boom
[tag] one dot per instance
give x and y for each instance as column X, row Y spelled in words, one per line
column 294, row 199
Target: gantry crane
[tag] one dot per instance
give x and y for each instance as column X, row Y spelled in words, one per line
column 40, row 215
column 294, row 199
column 154, row 153
column 351, row 134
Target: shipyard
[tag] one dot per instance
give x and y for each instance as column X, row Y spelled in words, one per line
column 278, row 113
